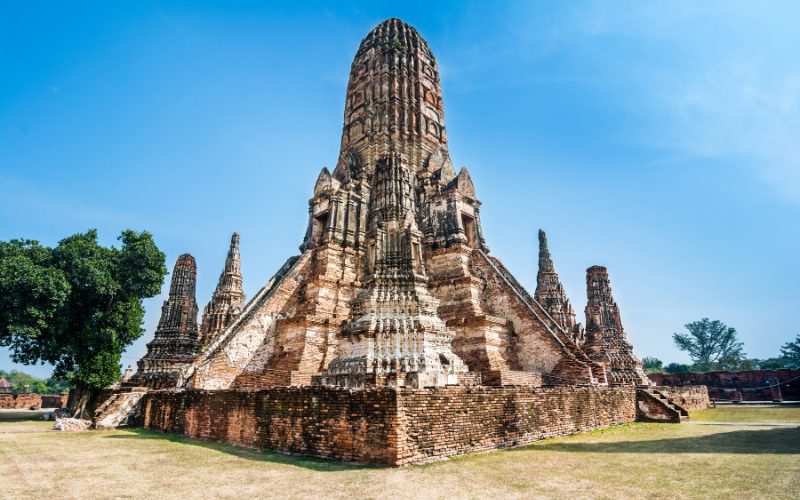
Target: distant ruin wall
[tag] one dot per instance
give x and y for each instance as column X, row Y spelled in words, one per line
column 55, row 400
column 386, row 425
column 24, row 401
column 750, row 385
column 690, row 397
column 6, row 401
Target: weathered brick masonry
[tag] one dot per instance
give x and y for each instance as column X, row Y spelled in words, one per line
column 387, row 425
column 444, row 422
column 690, row 397
column 357, row 426
column 25, row 401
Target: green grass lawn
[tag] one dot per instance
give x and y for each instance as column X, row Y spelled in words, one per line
column 631, row 461
column 748, row 413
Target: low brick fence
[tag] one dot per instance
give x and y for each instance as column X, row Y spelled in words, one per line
column 386, row 425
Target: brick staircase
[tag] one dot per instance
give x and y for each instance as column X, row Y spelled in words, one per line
column 116, row 410
column 576, row 367
column 653, row 405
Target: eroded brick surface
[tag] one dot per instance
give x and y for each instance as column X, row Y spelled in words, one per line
column 24, row 401
column 387, row 425
column 691, row 397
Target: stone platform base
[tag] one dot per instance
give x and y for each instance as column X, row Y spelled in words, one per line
column 387, row 426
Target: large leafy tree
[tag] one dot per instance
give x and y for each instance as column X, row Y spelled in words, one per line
column 790, row 351
column 677, row 368
column 77, row 305
column 652, row 365
column 711, row 345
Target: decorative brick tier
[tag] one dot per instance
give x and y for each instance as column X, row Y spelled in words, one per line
column 387, row 426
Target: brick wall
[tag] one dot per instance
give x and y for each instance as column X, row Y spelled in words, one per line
column 690, row 397
column 387, row 426
column 55, row 400
column 355, row 426
column 450, row 421
column 750, row 385
column 25, row 401
column 6, row 401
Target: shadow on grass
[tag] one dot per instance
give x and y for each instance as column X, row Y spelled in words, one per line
column 768, row 441
column 306, row 462
column 22, row 415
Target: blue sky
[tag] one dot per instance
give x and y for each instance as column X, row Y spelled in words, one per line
column 660, row 139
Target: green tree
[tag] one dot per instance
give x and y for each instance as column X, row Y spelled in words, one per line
column 711, row 345
column 20, row 379
column 773, row 363
column 677, row 368
column 77, row 305
column 791, row 352
column 652, row 365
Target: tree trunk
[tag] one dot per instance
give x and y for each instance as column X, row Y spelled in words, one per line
column 83, row 401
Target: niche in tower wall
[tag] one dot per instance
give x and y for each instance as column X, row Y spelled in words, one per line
column 468, row 223
column 318, row 227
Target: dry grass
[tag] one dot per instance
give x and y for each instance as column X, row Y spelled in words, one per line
column 635, row 460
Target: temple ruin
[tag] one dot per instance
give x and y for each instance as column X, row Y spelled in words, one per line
column 394, row 336
column 176, row 342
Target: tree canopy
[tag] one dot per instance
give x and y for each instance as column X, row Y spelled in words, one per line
column 790, row 351
column 652, row 365
column 77, row 305
column 677, row 368
column 711, row 345
column 23, row 382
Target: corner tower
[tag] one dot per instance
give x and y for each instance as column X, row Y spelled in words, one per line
column 176, row 343
column 225, row 304
column 606, row 342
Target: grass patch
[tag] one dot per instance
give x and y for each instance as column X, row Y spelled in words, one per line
column 629, row 461
column 748, row 413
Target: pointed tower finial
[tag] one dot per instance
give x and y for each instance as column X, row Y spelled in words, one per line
column 225, row 303
column 550, row 293
column 545, row 260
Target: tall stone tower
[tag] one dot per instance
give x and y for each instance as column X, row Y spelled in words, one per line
column 606, row 341
column 550, row 293
column 226, row 301
column 394, row 284
column 176, row 343
column 394, row 100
